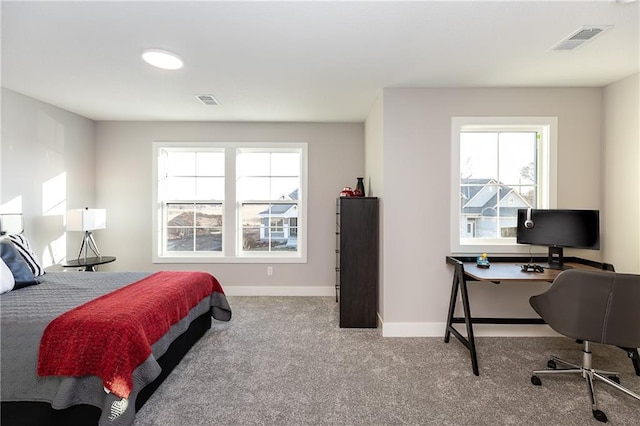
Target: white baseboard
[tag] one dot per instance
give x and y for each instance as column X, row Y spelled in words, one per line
column 399, row 329
column 413, row 329
column 250, row 290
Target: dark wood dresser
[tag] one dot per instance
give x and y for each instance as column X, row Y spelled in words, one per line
column 357, row 264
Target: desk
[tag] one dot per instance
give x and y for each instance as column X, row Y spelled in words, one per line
column 503, row 269
column 89, row 263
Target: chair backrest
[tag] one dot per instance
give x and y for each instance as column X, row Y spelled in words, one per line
column 602, row 307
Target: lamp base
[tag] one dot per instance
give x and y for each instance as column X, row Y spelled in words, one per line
column 88, row 243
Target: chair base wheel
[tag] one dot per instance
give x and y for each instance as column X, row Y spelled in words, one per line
column 536, row 380
column 552, row 364
column 600, row 416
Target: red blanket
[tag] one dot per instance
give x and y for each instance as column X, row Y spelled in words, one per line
column 112, row 335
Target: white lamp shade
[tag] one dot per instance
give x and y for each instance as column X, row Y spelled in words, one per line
column 11, row 223
column 86, row 219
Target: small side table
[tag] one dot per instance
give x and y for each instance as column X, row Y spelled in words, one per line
column 89, row 263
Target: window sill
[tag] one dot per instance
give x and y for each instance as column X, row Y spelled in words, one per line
column 229, row 260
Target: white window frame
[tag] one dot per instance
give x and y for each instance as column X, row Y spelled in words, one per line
column 231, row 241
column 547, row 176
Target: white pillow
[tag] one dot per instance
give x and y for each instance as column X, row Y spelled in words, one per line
column 6, row 278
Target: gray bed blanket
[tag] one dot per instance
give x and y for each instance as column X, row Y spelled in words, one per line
column 25, row 313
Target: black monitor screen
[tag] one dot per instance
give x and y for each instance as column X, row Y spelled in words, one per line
column 560, row 228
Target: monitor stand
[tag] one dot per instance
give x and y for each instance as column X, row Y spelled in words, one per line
column 556, row 259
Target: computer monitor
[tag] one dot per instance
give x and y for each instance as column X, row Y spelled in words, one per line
column 557, row 229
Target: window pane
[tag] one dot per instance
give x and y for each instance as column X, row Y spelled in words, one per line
column 286, row 219
column 254, row 188
column 209, row 227
column 517, row 156
column 253, row 164
column 179, row 239
column 181, row 188
column 285, row 164
column 181, row 163
column 254, row 235
column 268, row 227
column 180, row 214
column 264, row 188
column 498, row 177
column 208, row 239
column 209, row 188
column 194, row 227
column 528, row 194
column 478, row 155
column 180, row 227
column 284, row 188
column 209, row 215
column 210, row 164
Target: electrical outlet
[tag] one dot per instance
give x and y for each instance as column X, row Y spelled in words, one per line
column 269, row 270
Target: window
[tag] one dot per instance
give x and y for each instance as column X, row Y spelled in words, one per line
column 268, row 193
column 230, row 202
column 499, row 165
column 191, row 187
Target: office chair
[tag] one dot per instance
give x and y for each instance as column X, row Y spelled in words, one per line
column 592, row 307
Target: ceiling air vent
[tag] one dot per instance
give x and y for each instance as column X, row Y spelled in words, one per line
column 208, row 100
column 580, row 37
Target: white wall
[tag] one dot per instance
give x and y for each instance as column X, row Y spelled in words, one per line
column 416, row 151
column 621, row 176
column 124, row 182
column 47, row 168
column 374, row 172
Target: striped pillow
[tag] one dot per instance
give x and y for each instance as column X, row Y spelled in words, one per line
column 24, row 248
column 22, row 274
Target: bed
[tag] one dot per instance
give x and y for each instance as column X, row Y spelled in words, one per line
column 41, row 382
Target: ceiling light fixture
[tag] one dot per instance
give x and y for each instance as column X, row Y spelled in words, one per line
column 162, row 59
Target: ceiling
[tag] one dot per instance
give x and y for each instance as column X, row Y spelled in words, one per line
column 311, row 61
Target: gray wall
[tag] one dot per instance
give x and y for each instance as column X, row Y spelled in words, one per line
column 124, row 181
column 417, row 173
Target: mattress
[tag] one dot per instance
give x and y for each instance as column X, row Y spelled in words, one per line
column 25, row 313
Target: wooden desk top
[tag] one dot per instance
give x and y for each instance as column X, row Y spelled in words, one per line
column 506, row 270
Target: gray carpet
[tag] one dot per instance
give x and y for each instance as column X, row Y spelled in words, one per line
column 285, row 361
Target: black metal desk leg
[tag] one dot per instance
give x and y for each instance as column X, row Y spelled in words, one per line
column 452, row 305
column 468, row 322
column 460, row 283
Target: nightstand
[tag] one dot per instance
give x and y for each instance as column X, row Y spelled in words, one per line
column 89, row 263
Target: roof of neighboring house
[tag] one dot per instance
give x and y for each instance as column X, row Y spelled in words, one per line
column 480, row 198
column 293, row 195
column 470, row 187
column 278, row 209
column 281, row 209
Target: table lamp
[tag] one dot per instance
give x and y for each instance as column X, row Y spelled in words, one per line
column 11, row 223
column 87, row 220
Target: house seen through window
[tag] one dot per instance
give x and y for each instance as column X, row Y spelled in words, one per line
column 230, row 201
column 500, row 166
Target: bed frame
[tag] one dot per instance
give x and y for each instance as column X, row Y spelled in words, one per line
column 41, row 413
